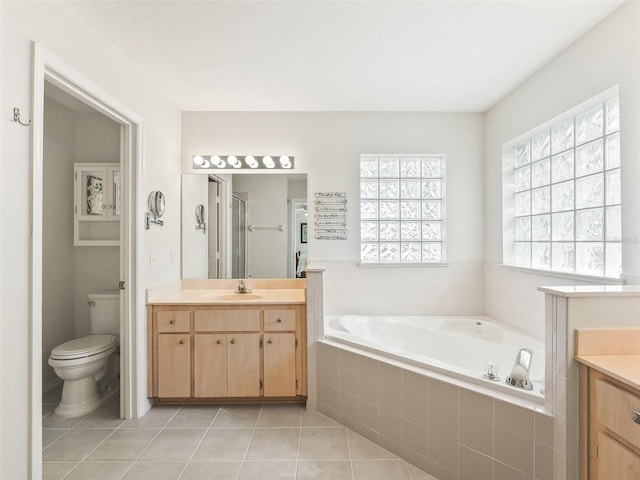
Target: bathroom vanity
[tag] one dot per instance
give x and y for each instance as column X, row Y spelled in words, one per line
column 214, row 345
column 609, row 404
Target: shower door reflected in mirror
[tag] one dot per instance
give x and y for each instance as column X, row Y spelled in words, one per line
column 238, row 237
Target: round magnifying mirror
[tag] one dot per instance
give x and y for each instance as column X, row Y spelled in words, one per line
column 156, row 203
column 200, row 214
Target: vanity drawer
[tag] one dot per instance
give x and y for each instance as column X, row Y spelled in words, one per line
column 278, row 320
column 169, row 321
column 616, row 409
column 227, row 320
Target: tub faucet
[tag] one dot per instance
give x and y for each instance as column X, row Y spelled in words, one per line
column 519, row 376
column 242, row 288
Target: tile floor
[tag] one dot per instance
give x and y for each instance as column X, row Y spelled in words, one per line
column 213, row 443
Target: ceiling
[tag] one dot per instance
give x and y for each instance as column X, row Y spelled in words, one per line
column 358, row 55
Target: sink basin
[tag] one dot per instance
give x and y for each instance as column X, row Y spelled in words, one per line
column 237, row 297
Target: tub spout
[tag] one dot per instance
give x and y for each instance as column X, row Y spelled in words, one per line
column 519, row 376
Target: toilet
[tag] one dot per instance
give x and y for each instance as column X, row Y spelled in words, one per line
column 89, row 366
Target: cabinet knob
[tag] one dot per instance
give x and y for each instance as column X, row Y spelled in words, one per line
column 181, row 342
column 269, row 341
column 172, row 321
column 233, row 340
column 219, row 342
column 635, row 416
column 279, row 320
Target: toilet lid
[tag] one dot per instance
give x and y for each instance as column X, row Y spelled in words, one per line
column 84, row 346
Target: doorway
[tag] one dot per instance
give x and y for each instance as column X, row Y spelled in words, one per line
column 51, row 71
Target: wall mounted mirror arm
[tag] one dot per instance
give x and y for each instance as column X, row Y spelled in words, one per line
column 201, row 223
column 156, row 207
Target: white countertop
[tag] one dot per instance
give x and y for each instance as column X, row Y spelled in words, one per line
column 594, row 291
column 228, row 297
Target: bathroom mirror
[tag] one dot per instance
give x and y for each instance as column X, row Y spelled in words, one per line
column 156, row 203
column 253, row 225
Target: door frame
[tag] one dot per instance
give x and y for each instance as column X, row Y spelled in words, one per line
column 133, row 402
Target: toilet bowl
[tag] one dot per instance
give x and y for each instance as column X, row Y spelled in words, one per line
column 89, row 366
column 81, row 363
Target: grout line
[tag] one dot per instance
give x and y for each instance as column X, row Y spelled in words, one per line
column 206, row 432
column 346, row 432
column 246, row 452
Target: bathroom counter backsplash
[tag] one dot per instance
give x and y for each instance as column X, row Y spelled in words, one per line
column 614, row 352
column 222, row 292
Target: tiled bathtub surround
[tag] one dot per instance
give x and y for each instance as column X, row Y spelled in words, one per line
column 448, row 431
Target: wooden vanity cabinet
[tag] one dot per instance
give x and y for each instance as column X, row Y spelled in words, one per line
column 610, row 428
column 216, row 353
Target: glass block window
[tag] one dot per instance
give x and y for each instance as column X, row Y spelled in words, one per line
column 402, row 209
column 567, row 200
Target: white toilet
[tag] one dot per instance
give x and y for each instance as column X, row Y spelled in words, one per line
column 90, row 365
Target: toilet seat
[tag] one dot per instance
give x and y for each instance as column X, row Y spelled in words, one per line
column 84, row 347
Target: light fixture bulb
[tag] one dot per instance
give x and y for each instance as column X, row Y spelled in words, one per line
column 205, row 163
column 232, row 160
column 251, row 161
column 221, row 164
column 268, row 161
column 284, row 162
column 198, row 160
column 216, row 160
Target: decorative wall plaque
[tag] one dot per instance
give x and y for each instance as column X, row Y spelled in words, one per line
column 330, row 215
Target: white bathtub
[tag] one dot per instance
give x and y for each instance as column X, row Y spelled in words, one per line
column 457, row 347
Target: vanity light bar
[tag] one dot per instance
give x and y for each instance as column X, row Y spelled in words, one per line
column 276, row 162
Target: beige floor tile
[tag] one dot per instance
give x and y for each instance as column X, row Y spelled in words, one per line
column 174, row 444
column 268, row 470
column 157, row 417
column 75, row 445
column 361, row 448
column 237, row 416
column 50, row 435
column 56, row 471
column 194, row 417
column 317, row 419
column 280, row 416
column 124, row 445
column 155, row 471
column 224, row 444
column 99, row 471
column 323, row 444
column 417, row 474
column 212, row 471
column 274, row 444
column 380, row 470
column 324, row 470
column 53, row 421
column 107, row 416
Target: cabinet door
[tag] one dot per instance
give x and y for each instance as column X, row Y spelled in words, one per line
column 615, row 461
column 174, row 365
column 210, row 365
column 243, row 364
column 279, row 365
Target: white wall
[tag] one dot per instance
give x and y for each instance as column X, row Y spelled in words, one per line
column 327, row 146
column 58, row 296
column 97, row 269
column 604, row 57
column 59, row 29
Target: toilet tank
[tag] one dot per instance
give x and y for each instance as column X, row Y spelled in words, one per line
column 104, row 312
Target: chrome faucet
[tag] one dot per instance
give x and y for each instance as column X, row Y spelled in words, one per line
column 242, row 288
column 520, row 372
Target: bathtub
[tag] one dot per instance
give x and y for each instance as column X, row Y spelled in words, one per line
column 457, row 348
